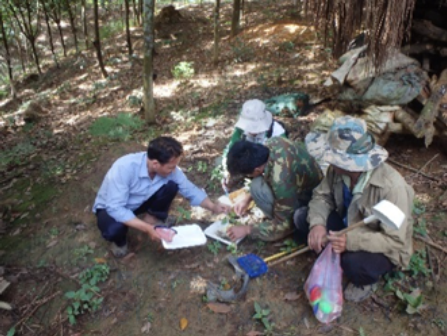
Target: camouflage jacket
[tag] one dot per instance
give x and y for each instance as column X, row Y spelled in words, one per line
column 292, row 174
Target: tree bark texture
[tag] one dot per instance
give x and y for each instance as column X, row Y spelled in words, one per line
column 97, row 42
column 84, row 22
column 235, row 21
column 72, row 24
column 216, row 32
column 25, row 19
column 129, row 41
column 50, row 34
column 424, row 125
column 148, row 94
column 8, row 56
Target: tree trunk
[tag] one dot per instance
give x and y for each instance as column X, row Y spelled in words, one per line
column 129, row 42
column 20, row 49
column 35, row 56
column 50, row 34
column 141, row 11
column 97, row 42
column 216, row 32
column 73, row 25
column 84, row 22
column 61, row 34
column 235, row 21
column 148, row 96
column 8, row 57
column 136, row 12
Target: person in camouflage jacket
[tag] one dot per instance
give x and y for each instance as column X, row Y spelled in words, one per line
column 284, row 176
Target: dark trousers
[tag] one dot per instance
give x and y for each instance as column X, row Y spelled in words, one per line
column 157, row 205
column 360, row 267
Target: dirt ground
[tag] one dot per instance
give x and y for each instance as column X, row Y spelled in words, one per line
column 48, row 220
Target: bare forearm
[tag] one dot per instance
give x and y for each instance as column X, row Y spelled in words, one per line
column 138, row 224
column 207, row 204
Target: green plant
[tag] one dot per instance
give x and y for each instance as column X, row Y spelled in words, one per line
column 262, row 315
column 214, row 247
column 202, row 167
column 184, row 214
column 361, row 332
column 232, row 248
column 421, row 227
column 289, row 245
column 260, row 245
column 413, row 301
column 418, row 263
column 120, row 128
column 110, row 29
column 54, row 232
column 95, row 275
column 418, row 207
column 81, row 253
column 16, row 155
column 440, row 323
column 391, row 280
column 11, row 332
column 183, row 70
column 82, row 300
column 87, row 298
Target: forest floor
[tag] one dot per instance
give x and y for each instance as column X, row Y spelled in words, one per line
column 56, row 164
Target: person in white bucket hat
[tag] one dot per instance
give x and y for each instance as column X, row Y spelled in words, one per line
column 255, row 124
column 356, row 180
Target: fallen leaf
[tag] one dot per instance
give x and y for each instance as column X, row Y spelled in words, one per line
column 292, row 296
column 100, row 261
column 183, row 323
column 128, row 257
column 195, row 265
column 219, row 308
column 146, row 328
column 51, row 244
column 254, row 333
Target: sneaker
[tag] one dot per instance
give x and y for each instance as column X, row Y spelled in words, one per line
column 118, row 251
column 358, row 294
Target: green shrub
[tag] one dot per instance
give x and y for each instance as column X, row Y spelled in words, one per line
column 16, row 155
column 183, row 70
column 118, row 128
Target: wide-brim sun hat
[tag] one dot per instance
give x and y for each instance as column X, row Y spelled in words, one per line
column 254, row 117
column 348, row 145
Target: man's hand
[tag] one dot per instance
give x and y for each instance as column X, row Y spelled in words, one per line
column 316, row 239
column 241, row 207
column 338, row 242
column 219, row 208
column 153, row 234
column 240, row 231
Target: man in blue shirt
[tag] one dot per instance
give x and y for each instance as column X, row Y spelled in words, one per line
column 144, row 183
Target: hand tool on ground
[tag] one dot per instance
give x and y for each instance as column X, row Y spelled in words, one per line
column 384, row 211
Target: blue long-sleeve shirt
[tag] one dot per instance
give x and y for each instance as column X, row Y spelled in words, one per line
column 127, row 185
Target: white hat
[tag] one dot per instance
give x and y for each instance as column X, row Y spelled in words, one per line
column 254, row 117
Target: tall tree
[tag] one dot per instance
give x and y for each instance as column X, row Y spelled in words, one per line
column 236, row 18
column 50, row 34
column 26, row 14
column 72, row 23
column 148, row 94
column 55, row 12
column 216, row 32
column 8, row 55
column 84, row 21
column 129, row 41
column 97, row 41
column 136, row 12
